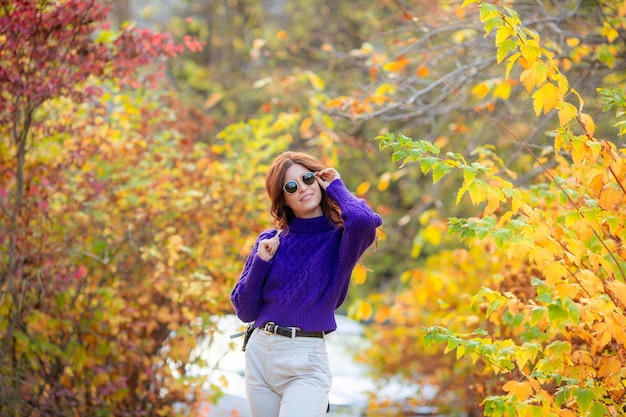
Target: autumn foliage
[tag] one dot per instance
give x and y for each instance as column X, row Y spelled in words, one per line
column 126, row 210
column 534, row 309
column 96, row 183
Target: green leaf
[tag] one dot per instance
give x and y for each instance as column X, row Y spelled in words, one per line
column 537, row 315
column 599, row 410
column 440, row 171
column 606, row 55
column 584, row 398
column 480, row 332
column 488, row 11
column 563, row 395
column 427, row 164
column 558, row 317
column 505, row 48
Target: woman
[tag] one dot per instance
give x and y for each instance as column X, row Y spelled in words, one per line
column 294, row 279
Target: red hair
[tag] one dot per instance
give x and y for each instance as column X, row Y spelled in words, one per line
column 274, row 187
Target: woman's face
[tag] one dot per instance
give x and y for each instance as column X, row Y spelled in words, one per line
column 305, row 201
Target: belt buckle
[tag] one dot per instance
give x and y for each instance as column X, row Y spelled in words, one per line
column 267, row 325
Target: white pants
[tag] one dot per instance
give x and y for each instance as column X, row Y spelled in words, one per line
column 287, row 377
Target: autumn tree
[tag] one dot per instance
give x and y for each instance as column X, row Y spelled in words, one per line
column 534, row 306
column 92, row 251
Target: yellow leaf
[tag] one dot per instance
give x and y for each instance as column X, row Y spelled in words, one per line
column 579, row 150
column 590, row 282
column 609, row 32
column 512, row 60
column 566, row 290
column 432, row 235
column 379, row 99
column 602, row 336
column 530, row 51
column 566, row 112
column 362, row 188
column 502, row 90
column 396, row 66
column 572, row 42
column 481, row 90
column 359, row 274
column 383, row 184
column 617, row 324
column 588, row 124
column 364, row 311
column 315, row 80
column 460, row 351
column 503, row 33
column 477, row 192
column 528, row 78
column 554, row 273
column 494, row 197
column 386, row 89
column 546, row 97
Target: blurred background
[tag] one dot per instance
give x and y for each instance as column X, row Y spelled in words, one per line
column 135, row 141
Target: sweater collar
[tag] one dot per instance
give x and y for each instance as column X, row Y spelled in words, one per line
column 312, row 225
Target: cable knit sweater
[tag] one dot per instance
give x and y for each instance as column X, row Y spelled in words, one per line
column 308, row 277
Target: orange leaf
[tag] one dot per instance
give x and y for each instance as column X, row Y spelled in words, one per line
column 610, row 365
column 609, row 197
column 619, row 290
column 383, row 314
column 521, row 390
column 481, row 90
column 305, row 127
column 362, row 188
column 595, row 182
column 396, row 66
column 422, row 71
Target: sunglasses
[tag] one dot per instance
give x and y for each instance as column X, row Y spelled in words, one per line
column 291, row 186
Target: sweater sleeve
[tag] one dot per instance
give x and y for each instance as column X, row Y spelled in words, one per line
column 360, row 223
column 246, row 295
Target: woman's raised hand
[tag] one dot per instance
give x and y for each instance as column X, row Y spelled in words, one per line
column 326, row 176
column 267, row 248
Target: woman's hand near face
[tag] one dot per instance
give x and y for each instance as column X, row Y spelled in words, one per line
column 267, row 248
column 325, row 176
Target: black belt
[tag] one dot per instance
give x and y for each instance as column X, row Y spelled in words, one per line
column 272, row 328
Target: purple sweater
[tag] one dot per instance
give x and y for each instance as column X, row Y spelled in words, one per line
column 308, row 277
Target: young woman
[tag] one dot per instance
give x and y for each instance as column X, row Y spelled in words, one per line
column 294, row 279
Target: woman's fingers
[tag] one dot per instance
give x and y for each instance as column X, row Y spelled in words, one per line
column 268, row 247
column 326, row 176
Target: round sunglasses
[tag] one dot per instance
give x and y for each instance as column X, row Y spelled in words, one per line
column 291, row 186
